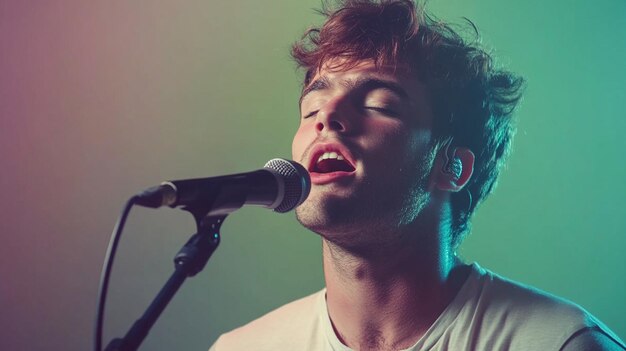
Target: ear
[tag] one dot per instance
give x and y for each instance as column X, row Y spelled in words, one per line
column 456, row 170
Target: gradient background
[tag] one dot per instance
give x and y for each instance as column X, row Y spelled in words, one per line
column 100, row 100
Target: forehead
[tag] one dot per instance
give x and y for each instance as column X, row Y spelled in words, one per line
column 339, row 74
column 341, row 71
column 336, row 74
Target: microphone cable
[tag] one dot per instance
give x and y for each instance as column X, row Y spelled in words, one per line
column 106, row 271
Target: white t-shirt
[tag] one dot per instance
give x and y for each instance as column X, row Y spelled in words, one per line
column 489, row 313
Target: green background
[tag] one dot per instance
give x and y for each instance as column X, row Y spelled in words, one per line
column 99, row 100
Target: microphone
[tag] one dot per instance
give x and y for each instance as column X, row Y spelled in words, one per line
column 281, row 185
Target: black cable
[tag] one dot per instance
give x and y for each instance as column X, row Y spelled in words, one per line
column 106, row 271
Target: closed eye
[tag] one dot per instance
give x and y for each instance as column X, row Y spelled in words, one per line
column 382, row 110
column 310, row 114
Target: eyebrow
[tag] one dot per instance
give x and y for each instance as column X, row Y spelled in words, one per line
column 367, row 83
column 318, row 84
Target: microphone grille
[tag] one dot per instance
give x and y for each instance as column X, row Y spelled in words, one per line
column 296, row 179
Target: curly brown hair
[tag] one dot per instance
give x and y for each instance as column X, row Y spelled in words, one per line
column 472, row 100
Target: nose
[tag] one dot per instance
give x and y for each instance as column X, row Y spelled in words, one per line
column 334, row 116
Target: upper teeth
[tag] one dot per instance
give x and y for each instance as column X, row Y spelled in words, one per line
column 332, row 155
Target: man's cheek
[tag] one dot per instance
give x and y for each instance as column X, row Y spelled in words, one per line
column 297, row 148
column 301, row 140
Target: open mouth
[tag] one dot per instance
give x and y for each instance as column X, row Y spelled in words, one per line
column 329, row 162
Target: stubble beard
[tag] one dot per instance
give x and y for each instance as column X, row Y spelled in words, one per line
column 372, row 214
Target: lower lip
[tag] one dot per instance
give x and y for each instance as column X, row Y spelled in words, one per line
column 325, row 178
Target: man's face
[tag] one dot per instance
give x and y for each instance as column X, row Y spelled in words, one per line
column 365, row 137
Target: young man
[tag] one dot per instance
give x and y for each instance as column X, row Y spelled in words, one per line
column 404, row 128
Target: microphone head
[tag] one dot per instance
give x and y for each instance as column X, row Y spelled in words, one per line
column 297, row 182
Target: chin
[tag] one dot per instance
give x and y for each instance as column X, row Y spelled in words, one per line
column 342, row 219
column 327, row 214
column 354, row 234
column 358, row 221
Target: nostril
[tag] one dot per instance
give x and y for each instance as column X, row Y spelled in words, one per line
column 334, row 125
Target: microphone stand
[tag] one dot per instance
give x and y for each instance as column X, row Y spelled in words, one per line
column 189, row 261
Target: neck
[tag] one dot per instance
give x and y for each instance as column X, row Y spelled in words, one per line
column 388, row 297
